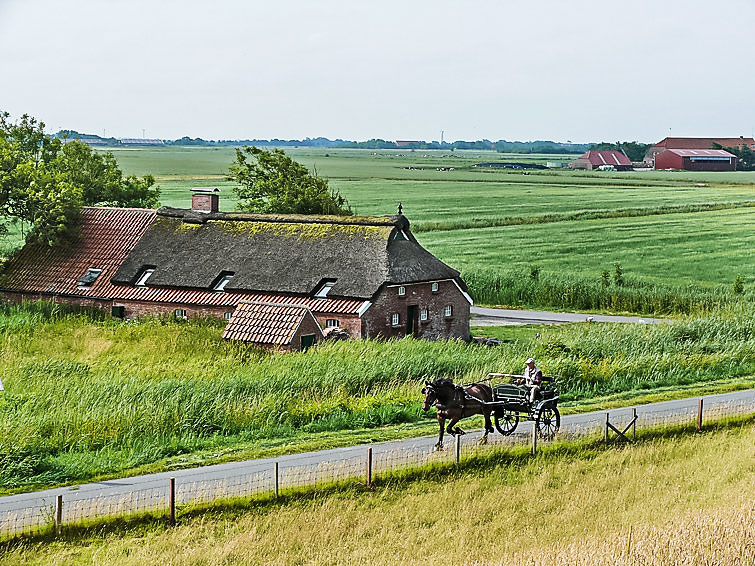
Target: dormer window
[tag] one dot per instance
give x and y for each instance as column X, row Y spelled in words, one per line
column 324, row 289
column 401, row 235
column 88, row 279
column 223, row 279
column 402, row 291
column 141, row 281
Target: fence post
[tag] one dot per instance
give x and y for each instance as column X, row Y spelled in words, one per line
column 457, row 440
column 369, row 466
column 606, row 437
column 59, row 514
column 172, row 502
column 534, row 438
column 634, row 423
column 700, row 415
column 276, row 480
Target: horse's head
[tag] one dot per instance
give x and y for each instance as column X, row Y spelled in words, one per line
column 437, row 391
column 430, row 394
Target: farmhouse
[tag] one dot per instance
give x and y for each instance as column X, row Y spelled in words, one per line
column 594, row 159
column 366, row 275
column 695, row 143
column 696, row 160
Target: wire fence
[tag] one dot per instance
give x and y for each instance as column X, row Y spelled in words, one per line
column 53, row 510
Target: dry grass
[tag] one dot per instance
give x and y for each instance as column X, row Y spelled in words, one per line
column 686, row 501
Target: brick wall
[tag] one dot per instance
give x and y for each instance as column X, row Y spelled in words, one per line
column 308, row 326
column 136, row 309
column 351, row 323
column 377, row 321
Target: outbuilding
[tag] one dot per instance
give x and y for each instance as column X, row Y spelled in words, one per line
column 595, row 159
column 696, row 160
column 273, row 325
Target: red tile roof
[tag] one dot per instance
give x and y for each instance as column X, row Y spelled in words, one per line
column 703, row 143
column 701, row 152
column 605, row 157
column 266, row 323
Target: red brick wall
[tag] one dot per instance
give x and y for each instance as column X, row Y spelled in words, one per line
column 351, row 323
column 136, row 309
column 77, row 301
column 204, row 202
column 308, row 326
column 377, row 320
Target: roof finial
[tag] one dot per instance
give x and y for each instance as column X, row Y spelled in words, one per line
column 400, row 208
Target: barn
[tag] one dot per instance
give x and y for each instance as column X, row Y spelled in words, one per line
column 367, row 275
column 695, row 143
column 696, row 160
column 595, row 159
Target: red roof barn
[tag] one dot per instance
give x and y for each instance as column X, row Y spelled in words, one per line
column 595, row 159
column 696, row 160
column 695, row 143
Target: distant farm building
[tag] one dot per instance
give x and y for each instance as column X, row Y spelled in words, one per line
column 695, row 143
column 407, row 143
column 595, row 159
column 140, row 141
column 696, row 160
column 366, row 275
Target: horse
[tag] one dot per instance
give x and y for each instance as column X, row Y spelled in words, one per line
column 455, row 403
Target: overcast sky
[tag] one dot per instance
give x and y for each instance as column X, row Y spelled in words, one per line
column 559, row 70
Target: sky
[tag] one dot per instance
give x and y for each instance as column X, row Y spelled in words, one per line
column 230, row 69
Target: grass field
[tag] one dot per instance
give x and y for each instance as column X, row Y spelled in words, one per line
column 87, row 397
column 684, row 499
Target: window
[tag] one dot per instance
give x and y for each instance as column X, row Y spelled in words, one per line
column 423, row 315
column 88, row 278
column 118, row 311
column 402, row 291
column 228, row 315
column 331, row 323
column 434, row 287
column 395, row 319
column 179, row 313
column 143, row 276
column 449, row 310
column 400, row 235
column 325, row 289
column 222, row 281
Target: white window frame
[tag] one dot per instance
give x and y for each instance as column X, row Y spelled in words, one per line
column 332, row 323
column 401, row 291
column 448, row 311
column 423, row 315
column 220, row 285
column 228, row 315
column 143, row 276
column 434, row 286
column 395, row 319
column 179, row 313
column 324, row 289
column 93, row 270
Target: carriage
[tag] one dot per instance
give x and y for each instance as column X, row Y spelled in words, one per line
column 511, row 404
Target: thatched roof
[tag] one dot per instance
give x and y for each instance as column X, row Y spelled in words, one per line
column 285, row 254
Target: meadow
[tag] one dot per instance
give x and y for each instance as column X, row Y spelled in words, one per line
column 674, row 499
column 90, row 396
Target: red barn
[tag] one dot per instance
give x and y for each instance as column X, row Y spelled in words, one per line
column 366, row 275
column 696, row 160
column 595, row 159
column 695, row 143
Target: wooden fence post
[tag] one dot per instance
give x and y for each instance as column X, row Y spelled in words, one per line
column 700, row 415
column 457, row 440
column 634, row 423
column 58, row 514
column 276, row 480
column 172, row 502
column 607, row 422
column 534, row 438
column 369, row 466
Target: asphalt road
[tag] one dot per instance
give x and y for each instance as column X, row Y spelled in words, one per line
column 501, row 317
column 243, row 478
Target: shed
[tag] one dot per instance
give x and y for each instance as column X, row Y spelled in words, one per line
column 595, row 159
column 273, row 325
column 696, row 160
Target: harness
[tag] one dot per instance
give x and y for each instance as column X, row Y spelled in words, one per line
column 457, row 401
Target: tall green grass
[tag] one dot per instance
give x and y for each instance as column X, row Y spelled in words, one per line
column 86, row 396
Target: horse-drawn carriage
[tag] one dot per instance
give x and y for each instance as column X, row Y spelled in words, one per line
column 507, row 403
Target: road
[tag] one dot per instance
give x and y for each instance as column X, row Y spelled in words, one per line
column 482, row 316
column 17, row 512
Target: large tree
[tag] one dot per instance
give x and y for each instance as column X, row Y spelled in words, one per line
column 272, row 182
column 44, row 182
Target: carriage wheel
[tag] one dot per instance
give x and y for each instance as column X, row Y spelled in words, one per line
column 548, row 421
column 506, row 421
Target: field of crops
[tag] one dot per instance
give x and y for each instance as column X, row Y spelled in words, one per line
column 86, row 397
column 675, row 500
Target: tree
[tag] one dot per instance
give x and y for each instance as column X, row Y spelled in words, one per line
column 745, row 156
column 44, row 182
column 272, row 182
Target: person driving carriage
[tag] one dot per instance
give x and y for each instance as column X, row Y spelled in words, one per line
column 532, row 378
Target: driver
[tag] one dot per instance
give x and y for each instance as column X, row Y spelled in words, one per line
column 532, row 378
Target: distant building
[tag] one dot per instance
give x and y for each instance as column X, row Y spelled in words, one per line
column 140, row 141
column 695, row 143
column 407, row 143
column 595, row 159
column 696, row 160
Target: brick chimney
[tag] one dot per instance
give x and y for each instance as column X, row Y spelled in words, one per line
column 205, row 199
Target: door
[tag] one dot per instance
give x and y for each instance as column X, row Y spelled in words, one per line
column 411, row 320
column 307, row 340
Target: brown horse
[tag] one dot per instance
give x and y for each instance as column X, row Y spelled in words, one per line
column 455, row 403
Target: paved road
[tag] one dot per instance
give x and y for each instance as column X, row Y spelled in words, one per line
column 243, row 478
column 502, row 317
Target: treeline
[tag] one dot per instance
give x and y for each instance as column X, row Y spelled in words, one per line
column 502, row 146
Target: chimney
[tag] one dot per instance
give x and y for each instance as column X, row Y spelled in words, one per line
column 205, row 199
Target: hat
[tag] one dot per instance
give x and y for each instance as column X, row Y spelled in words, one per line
column 530, row 361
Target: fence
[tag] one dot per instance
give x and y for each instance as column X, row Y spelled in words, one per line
column 161, row 493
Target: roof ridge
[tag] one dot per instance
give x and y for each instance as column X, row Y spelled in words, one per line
column 202, row 217
column 123, row 208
